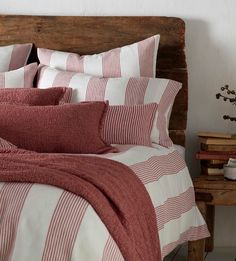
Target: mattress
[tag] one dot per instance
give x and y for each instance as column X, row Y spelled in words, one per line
column 48, row 223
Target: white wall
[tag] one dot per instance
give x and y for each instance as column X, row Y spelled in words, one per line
column 211, row 58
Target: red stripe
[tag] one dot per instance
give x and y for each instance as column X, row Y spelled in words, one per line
column 29, row 74
column 156, row 167
column 63, row 79
column 193, row 233
column 129, row 124
column 165, row 102
column 19, row 56
column 111, row 63
column 45, row 56
column 75, row 63
column 12, row 197
column 146, row 52
column 173, row 207
column 67, row 217
column 111, row 251
column 96, row 89
column 135, row 90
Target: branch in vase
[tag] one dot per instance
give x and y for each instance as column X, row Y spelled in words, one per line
column 227, row 117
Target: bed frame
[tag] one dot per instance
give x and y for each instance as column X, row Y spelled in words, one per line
column 88, row 35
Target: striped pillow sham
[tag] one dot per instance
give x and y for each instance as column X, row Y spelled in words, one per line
column 119, row 91
column 138, row 59
column 125, row 124
column 20, row 78
column 13, row 57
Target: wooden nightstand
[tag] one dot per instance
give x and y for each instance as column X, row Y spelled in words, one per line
column 210, row 191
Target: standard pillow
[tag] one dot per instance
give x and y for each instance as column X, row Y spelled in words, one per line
column 34, row 96
column 69, row 128
column 126, row 124
column 13, row 57
column 19, row 78
column 120, row 91
column 138, row 59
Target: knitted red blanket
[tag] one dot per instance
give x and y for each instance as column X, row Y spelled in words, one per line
column 113, row 190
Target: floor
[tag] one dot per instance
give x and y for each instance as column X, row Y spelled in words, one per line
column 219, row 254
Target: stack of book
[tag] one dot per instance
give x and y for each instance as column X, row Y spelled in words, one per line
column 215, row 150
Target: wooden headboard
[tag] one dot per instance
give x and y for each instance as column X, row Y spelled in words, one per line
column 88, row 35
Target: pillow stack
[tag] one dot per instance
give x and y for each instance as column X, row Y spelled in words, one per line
column 140, row 104
column 14, row 73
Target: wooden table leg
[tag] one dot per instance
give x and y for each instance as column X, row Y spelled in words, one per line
column 196, row 249
column 210, row 218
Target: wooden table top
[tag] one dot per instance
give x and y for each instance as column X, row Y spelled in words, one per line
column 213, row 182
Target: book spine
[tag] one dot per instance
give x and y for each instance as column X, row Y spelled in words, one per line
column 203, row 155
column 212, row 147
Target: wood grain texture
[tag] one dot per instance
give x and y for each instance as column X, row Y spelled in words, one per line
column 89, row 35
column 212, row 191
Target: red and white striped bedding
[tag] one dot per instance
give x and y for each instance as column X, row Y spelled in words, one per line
column 14, row 56
column 137, row 59
column 48, row 223
column 19, row 78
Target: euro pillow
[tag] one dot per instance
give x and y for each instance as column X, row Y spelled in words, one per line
column 137, row 59
column 69, row 128
column 120, row 91
column 125, row 124
column 20, row 78
column 13, row 57
column 34, row 96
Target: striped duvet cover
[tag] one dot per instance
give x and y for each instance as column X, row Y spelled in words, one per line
column 48, row 223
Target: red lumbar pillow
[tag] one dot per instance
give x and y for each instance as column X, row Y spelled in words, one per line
column 129, row 124
column 33, row 96
column 69, row 128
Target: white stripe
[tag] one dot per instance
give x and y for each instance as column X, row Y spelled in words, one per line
column 174, row 228
column 5, row 55
column 1, row 185
column 34, row 222
column 15, row 79
column 129, row 60
column 138, row 154
column 59, row 59
column 79, row 83
column 174, row 186
column 47, row 78
column 115, row 90
column 155, row 90
column 93, row 64
column 92, row 235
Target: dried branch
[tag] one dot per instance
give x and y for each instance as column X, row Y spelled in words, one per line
column 227, row 97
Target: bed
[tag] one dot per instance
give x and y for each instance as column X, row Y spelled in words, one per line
column 48, row 223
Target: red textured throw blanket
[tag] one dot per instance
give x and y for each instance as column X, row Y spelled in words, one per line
column 113, row 190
